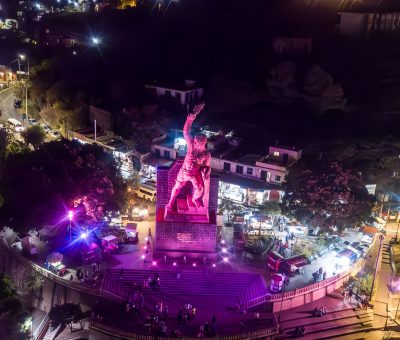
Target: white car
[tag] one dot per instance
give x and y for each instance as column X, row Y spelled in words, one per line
column 45, row 127
column 33, row 121
column 55, row 134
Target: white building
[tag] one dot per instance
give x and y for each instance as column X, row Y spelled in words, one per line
column 185, row 93
column 248, row 178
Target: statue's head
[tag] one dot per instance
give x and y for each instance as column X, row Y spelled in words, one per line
column 200, row 141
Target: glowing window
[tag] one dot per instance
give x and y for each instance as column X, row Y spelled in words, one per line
column 276, row 153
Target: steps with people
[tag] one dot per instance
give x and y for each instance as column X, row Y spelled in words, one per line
column 347, row 320
column 240, row 286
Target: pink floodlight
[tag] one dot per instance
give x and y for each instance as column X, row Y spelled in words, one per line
column 225, row 259
column 174, row 264
column 154, row 263
column 70, row 215
column 194, row 264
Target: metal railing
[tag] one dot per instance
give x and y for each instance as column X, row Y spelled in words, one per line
column 261, row 334
column 41, row 330
column 48, row 274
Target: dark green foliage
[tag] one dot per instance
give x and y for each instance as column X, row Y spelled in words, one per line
column 326, row 195
column 49, row 181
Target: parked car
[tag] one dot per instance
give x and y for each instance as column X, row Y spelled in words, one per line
column 33, row 121
column 55, row 134
column 140, row 212
column 17, row 103
column 45, row 127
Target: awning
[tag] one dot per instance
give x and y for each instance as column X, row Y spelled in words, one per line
column 155, row 161
column 245, row 182
column 369, row 230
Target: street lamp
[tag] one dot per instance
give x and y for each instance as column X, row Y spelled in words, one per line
column 70, row 217
column 95, row 40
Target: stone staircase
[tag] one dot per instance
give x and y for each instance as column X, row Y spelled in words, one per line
column 340, row 322
column 237, row 286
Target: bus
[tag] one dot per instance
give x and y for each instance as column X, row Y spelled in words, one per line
column 15, row 125
column 147, row 192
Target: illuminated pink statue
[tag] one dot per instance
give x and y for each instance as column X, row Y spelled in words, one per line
column 196, row 165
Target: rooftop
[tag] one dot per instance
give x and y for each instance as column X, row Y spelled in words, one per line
column 183, row 85
column 243, row 181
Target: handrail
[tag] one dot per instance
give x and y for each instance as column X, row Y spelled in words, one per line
column 49, row 275
column 37, row 334
column 131, row 335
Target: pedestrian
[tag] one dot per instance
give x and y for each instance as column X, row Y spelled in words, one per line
column 193, row 312
column 180, row 315
column 350, row 294
column 184, row 259
column 324, row 276
column 141, row 300
column 71, row 277
column 165, row 313
column 242, row 327
column 94, row 267
column 178, row 276
column 320, row 271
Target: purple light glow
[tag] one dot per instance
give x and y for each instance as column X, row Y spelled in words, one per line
column 222, row 241
column 224, row 250
column 84, row 235
column 143, row 257
column 194, row 264
column 174, row 264
column 154, row 263
column 225, row 259
column 70, row 215
column 213, row 265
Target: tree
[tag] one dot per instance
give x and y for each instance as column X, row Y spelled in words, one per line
column 6, row 288
column 67, row 314
column 270, row 208
column 34, row 135
column 327, row 196
column 27, row 281
column 61, row 174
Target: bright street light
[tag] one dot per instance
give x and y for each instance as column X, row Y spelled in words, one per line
column 96, row 40
column 70, row 217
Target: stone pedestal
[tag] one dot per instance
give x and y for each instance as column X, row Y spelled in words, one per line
column 184, row 231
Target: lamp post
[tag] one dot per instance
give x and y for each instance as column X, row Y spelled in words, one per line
column 70, row 217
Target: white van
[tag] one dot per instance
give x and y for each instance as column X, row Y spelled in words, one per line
column 147, row 192
column 15, row 125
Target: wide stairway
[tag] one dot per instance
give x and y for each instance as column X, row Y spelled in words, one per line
column 346, row 323
column 241, row 287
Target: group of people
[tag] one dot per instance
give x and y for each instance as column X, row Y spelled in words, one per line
column 91, row 279
column 157, row 320
column 207, row 329
column 136, row 303
column 300, row 331
column 317, row 312
column 320, row 274
column 186, row 313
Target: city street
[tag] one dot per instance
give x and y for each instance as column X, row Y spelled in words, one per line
column 7, row 105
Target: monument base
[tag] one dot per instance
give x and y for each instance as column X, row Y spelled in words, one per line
column 177, row 237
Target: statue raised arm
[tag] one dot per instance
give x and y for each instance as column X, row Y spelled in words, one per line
column 189, row 121
column 196, row 165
